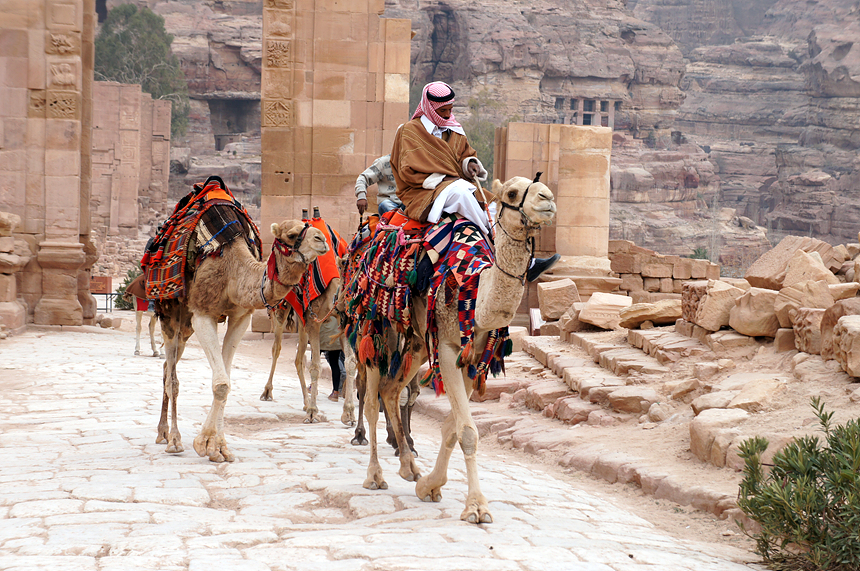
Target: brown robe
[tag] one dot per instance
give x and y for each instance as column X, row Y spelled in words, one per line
column 415, row 155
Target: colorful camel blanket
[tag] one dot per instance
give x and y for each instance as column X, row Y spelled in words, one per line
column 320, row 272
column 203, row 222
column 464, row 254
column 379, row 296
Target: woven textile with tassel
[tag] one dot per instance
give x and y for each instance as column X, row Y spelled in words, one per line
column 464, row 254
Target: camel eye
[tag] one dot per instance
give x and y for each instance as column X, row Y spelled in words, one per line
column 512, row 194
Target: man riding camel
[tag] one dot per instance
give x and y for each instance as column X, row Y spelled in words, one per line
column 433, row 165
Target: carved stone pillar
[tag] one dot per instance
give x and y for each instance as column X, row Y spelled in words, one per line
column 59, row 303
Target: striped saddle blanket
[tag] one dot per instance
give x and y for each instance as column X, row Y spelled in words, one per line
column 203, row 222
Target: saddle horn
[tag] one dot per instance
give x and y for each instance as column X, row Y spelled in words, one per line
column 217, row 179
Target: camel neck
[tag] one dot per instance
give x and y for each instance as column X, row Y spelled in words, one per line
column 500, row 294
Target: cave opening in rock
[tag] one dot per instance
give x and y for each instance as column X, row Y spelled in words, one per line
column 233, row 118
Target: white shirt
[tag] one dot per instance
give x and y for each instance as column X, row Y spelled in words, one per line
column 438, row 131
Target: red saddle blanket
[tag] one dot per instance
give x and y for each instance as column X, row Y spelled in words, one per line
column 320, row 272
column 216, row 217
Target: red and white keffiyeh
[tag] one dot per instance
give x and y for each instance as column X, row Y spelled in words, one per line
column 434, row 96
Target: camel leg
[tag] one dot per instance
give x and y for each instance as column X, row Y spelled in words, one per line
column 279, row 317
column 461, row 430
column 390, row 393
column 211, row 442
column 312, row 412
column 348, row 388
column 152, row 320
column 360, row 438
column 301, row 348
column 375, row 480
column 176, row 331
column 138, row 317
column 407, row 401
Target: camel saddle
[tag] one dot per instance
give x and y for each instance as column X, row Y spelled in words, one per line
column 202, row 223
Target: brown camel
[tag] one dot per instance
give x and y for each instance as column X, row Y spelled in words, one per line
column 311, row 331
column 526, row 206
column 231, row 285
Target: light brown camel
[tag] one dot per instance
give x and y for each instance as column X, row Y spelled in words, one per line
column 526, row 206
column 231, row 285
column 138, row 317
column 315, row 332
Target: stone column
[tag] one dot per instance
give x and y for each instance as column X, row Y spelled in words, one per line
column 61, row 252
column 85, row 298
column 582, row 223
column 13, row 316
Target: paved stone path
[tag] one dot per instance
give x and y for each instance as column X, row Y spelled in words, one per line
column 84, row 486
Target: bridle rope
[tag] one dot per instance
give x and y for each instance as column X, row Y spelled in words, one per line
column 271, row 272
column 527, row 223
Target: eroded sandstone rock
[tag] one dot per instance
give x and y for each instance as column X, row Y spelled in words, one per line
column 604, row 309
column 846, row 344
column 754, row 315
column 556, row 297
column 807, row 329
column 812, row 294
column 663, row 312
column 831, row 318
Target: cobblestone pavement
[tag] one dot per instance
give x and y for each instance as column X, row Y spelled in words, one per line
column 84, row 486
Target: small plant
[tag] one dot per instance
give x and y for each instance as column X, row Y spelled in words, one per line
column 700, row 254
column 808, row 505
column 120, row 301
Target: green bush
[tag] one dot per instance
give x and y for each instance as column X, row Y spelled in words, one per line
column 700, row 254
column 120, row 301
column 808, row 505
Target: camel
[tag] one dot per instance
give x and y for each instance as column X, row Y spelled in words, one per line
column 231, row 285
column 499, row 294
column 310, row 331
column 141, row 307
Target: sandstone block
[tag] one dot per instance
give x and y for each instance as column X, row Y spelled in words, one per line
column 572, row 410
column 495, row 387
column 8, row 289
column 846, row 344
column 757, row 396
column 633, row 282
column 784, row 340
column 7, row 245
column 635, row 399
column 712, row 272
column 651, row 284
column 705, row 427
column 692, row 293
column 840, row 291
column 807, row 329
column 663, row 312
column 769, row 270
column 683, row 269
column 659, row 412
column 604, row 309
column 667, row 285
column 714, row 309
column 829, row 320
column 625, row 264
column 556, row 297
column 550, row 329
column 706, row 371
column 718, row 399
column 804, row 267
column 754, row 315
column 813, row 294
column 541, row 395
column 720, row 447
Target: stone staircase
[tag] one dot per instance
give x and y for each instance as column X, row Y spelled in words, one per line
column 604, row 381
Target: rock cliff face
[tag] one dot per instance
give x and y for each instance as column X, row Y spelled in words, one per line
column 773, row 99
column 747, row 105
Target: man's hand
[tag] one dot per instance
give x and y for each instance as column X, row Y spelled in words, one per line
column 474, row 169
column 361, row 204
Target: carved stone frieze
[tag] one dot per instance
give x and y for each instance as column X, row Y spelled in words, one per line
column 279, row 23
column 63, row 43
column 63, row 75
column 62, row 104
column 282, row 4
column 277, row 113
column 38, row 103
column 278, row 53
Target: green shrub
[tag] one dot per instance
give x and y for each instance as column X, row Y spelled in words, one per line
column 808, row 505
column 700, row 254
column 120, row 301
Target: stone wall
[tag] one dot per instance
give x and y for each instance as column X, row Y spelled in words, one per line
column 131, row 159
column 46, row 58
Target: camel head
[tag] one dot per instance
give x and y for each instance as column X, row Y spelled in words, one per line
column 533, row 201
column 298, row 243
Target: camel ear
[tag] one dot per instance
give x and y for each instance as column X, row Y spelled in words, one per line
column 497, row 187
column 275, row 230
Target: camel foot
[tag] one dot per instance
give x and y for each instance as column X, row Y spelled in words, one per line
column 426, row 492
column 267, row 395
column 410, row 473
column 161, row 436
column 348, row 418
column 174, row 444
column 359, row 440
column 137, row 352
column 397, row 452
column 375, row 482
column 477, row 513
column 156, row 354
column 214, row 446
column 314, row 416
